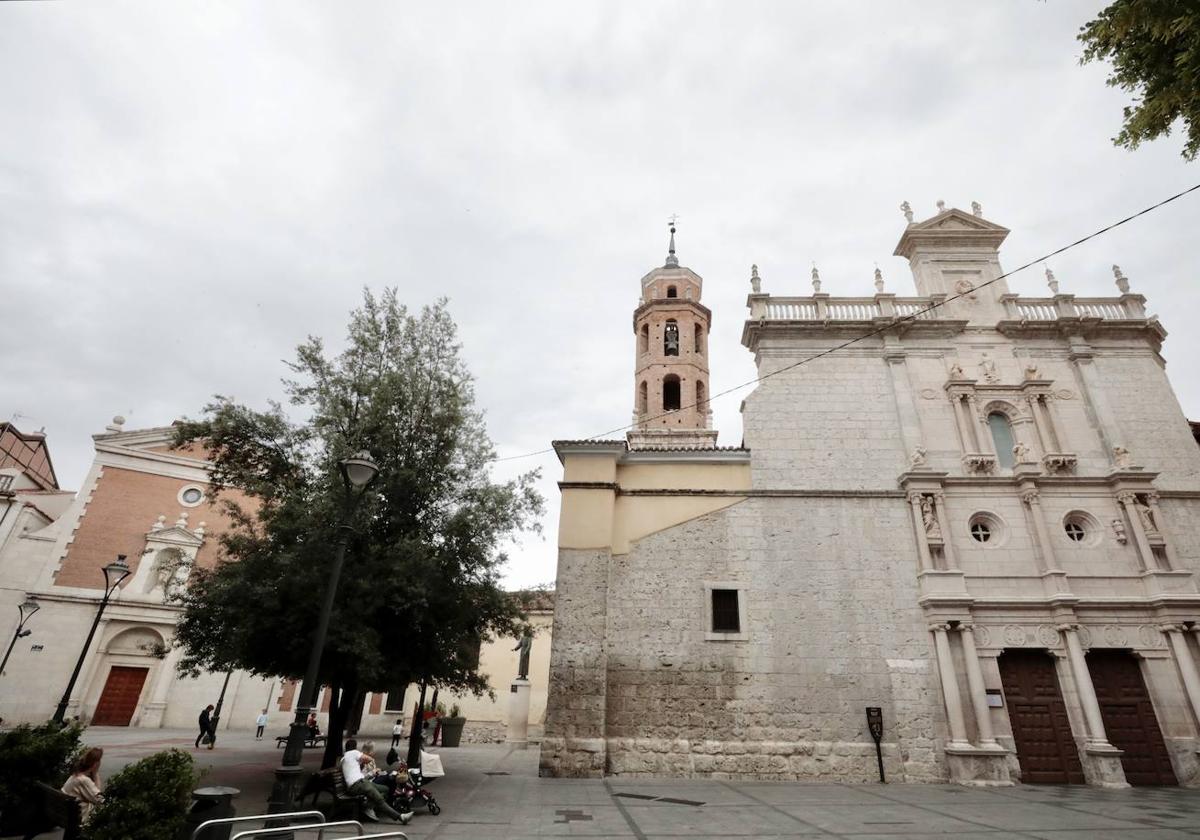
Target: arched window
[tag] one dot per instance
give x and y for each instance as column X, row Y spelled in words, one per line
column 642, row 399
column 670, row 392
column 671, row 292
column 1002, row 437
column 699, row 348
column 701, row 396
column 644, row 339
column 671, row 339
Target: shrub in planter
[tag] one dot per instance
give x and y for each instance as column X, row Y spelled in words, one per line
column 147, row 800
column 452, row 727
column 31, row 754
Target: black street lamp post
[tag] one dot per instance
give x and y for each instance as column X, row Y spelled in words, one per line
column 357, row 473
column 26, row 609
column 114, row 573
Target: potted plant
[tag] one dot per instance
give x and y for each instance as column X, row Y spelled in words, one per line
column 452, row 727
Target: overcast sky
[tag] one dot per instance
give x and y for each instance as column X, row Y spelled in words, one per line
column 188, row 190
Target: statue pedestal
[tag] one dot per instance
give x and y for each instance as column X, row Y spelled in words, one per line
column 518, row 713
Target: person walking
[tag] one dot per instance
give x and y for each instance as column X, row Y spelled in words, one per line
column 84, row 783
column 397, row 732
column 357, row 784
column 261, row 723
column 205, row 724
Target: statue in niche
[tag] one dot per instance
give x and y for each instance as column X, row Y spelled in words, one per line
column 1118, row 526
column 988, row 368
column 932, row 529
column 966, row 288
column 1020, row 452
column 918, row 458
column 1146, row 515
column 1121, row 456
column 524, row 645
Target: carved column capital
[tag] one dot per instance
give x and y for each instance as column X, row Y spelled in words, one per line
column 966, row 627
column 939, row 497
column 939, row 628
column 1127, row 498
column 1067, row 628
column 1171, row 628
column 1030, row 497
column 914, row 497
column 1152, row 497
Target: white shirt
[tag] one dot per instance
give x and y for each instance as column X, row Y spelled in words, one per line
column 262, row 720
column 351, row 770
column 398, row 729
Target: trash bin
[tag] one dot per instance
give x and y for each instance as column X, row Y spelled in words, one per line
column 209, row 803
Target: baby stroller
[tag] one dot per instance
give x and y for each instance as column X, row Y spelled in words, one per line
column 411, row 792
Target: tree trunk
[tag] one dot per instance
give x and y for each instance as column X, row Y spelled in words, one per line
column 414, row 735
column 339, row 710
column 354, row 717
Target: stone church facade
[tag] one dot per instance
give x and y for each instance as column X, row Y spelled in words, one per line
column 979, row 515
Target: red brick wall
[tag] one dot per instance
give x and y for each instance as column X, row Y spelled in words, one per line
column 124, row 506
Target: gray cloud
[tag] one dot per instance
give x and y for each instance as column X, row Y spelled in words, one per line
column 187, row 191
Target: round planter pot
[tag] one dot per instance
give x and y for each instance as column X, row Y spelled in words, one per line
column 452, row 729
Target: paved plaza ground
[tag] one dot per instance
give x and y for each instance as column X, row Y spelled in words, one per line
column 493, row 791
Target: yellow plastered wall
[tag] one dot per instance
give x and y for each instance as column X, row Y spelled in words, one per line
column 602, row 516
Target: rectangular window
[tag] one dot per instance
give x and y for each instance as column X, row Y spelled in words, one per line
column 725, row 615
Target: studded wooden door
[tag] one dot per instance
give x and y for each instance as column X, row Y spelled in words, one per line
column 119, row 698
column 1046, row 749
column 1129, row 719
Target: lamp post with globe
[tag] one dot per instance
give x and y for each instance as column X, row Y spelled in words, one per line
column 357, row 472
column 114, row 573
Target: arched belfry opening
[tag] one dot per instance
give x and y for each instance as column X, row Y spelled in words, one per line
column 671, row 338
column 670, row 392
column 672, row 292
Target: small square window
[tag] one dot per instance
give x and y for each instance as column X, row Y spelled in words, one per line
column 725, row 618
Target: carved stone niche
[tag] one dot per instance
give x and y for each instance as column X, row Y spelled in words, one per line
column 1059, row 462
column 978, row 462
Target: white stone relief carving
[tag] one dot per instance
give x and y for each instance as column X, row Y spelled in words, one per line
column 1014, row 634
column 1085, row 636
column 956, row 371
column 1121, row 456
column 1031, row 371
column 1149, row 636
column 1146, row 515
column 1047, row 636
column 1065, row 394
column 919, row 458
column 965, row 288
column 1115, row 636
column 932, row 528
column 1021, row 453
column 983, row 636
column 987, row 367
column 928, row 394
column 1118, row 526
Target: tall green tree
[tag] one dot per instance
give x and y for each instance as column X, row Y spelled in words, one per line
column 1154, row 46
column 420, row 589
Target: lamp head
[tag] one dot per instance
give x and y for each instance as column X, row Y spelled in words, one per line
column 359, row 469
column 116, row 572
column 28, row 608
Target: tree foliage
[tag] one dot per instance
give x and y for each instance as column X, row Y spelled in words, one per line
column 31, row 754
column 1154, row 46
column 420, row 589
column 147, row 800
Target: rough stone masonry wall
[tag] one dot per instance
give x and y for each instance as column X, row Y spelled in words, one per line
column 573, row 744
column 834, row 626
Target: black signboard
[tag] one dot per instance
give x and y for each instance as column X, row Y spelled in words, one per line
column 875, row 725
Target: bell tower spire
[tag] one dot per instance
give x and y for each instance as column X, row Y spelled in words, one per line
column 671, row 328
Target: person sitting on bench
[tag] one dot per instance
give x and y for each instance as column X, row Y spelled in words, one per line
column 84, row 783
column 353, row 762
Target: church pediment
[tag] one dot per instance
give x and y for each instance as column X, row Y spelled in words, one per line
column 176, row 535
column 951, row 229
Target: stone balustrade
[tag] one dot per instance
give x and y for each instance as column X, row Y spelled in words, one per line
column 822, row 307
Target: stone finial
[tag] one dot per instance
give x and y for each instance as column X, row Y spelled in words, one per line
column 200, row 529
column 941, row 206
column 1122, row 456
column 1050, row 281
column 976, row 208
column 816, row 279
column 181, row 522
column 907, row 210
column 1122, row 280
column 755, row 281
column 159, row 523
column 1031, row 371
column 672, row 260
column 116, row 425
column 878, row 280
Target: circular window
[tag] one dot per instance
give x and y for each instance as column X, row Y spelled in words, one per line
column 1081, row 528
column 191, row 496
column 986, row 529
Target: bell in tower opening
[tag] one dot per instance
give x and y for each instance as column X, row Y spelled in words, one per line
column 671, row 374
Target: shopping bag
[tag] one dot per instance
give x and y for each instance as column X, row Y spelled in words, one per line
column 431, row 765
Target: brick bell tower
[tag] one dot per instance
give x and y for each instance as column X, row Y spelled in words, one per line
column 670, row 328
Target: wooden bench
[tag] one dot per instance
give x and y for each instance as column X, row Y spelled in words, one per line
column 319, row 741
column 56, row 810
column 332, row 782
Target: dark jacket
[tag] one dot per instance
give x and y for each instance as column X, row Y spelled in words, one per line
column 204, row 720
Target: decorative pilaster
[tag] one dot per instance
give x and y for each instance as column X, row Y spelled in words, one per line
column 926, row 560
column 954, row 708
column 983, row 715
column 1187, row 668
column 983, row 433
column 1129, row 502
column 1032, row 500
column 1083, row 686
column 939, row 511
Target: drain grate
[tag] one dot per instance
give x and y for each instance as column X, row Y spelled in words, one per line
column 669, row 799
column 496, row 773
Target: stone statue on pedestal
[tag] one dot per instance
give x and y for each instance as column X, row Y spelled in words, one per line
column 524, row 646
